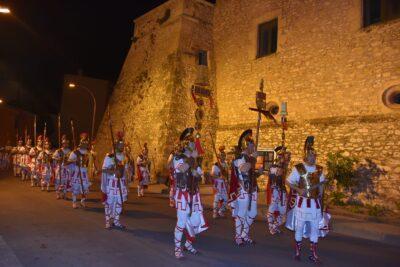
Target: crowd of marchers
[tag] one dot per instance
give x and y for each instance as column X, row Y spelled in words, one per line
column 294, row 199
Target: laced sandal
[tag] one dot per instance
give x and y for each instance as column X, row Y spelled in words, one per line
column 179, row 253
column 191, row 249
column 239, row 241
column 119, row 225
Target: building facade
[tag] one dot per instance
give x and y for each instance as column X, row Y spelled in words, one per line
column 335, row 63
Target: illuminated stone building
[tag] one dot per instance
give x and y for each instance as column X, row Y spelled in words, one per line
column 335, row 63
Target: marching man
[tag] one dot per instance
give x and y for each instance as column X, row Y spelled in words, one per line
column 79, row 160
column 307, row 179
column 114, row 184
column 44, row 159
column 220, row 191
column 26, row 160
column 243, row 178
column 62, row 172
column 187, row 172
column 143, row 173
column 35, row 165
column 276, row 191
column 17, row 153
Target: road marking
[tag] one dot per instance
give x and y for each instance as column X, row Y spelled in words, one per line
column 7, row 256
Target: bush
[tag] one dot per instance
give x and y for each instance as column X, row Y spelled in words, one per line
column 341, row 168
column 376, row 210
column 337, row 198
column 356, row 209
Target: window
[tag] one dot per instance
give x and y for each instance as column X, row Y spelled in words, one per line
column 375, row 11
column 203, row 58
column 267, row 38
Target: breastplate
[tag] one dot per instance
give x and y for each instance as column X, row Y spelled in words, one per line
column 308, row 181
column 46, row 158
column 83, row 160
column 276, row 180
column 182, row 180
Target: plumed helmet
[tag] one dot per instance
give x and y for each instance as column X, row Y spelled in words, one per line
column 309, row 146
column 28, row 140
column 47, row 141
column 64, row 140
column 186, row 134
column 84, row 140
column 119, row 137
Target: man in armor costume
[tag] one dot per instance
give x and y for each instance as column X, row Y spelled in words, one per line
column 92, row 168
column 45, row 160
column 276, row 190
column 220, row 190
column 5, row 159
column 143, row 173
column 26, row 160
column 307, row 180
column 114, row 183
column 187, row 175
column 34, row 165
column 17, row 153
column 62, row 172
column 79, row 161
column 243, row 179
column 171, row 172
column 130, row 173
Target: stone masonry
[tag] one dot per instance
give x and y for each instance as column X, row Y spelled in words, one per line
column 330, row 70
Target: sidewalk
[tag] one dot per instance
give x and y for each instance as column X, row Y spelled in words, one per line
column 345, row 225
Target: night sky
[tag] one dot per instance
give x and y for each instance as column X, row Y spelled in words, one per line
column 45, row 39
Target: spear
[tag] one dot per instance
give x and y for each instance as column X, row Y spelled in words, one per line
column 59, row 130
column 34, row 130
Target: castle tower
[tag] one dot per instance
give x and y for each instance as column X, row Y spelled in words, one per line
column 167, row 73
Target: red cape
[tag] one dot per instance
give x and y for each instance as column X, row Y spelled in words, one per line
column 233, row 185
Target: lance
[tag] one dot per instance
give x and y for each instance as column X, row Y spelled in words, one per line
column 25, row 134
column 59, row 130
column 73, row 133
column 260, row 101
column 117, row 173
column 223, row 170
column 284, row 122
column 34, row 130
column 44, row 134
column 60, row 151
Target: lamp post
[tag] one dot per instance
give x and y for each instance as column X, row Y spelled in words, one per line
column 73, row 86
column 4, row 10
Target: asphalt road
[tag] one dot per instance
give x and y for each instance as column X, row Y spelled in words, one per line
column 43, row 231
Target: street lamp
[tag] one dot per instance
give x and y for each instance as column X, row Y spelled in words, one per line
column 4, row 10
column 1, row 101
column 73, row 86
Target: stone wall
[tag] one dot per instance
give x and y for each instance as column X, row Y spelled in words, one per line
column 330, row 70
